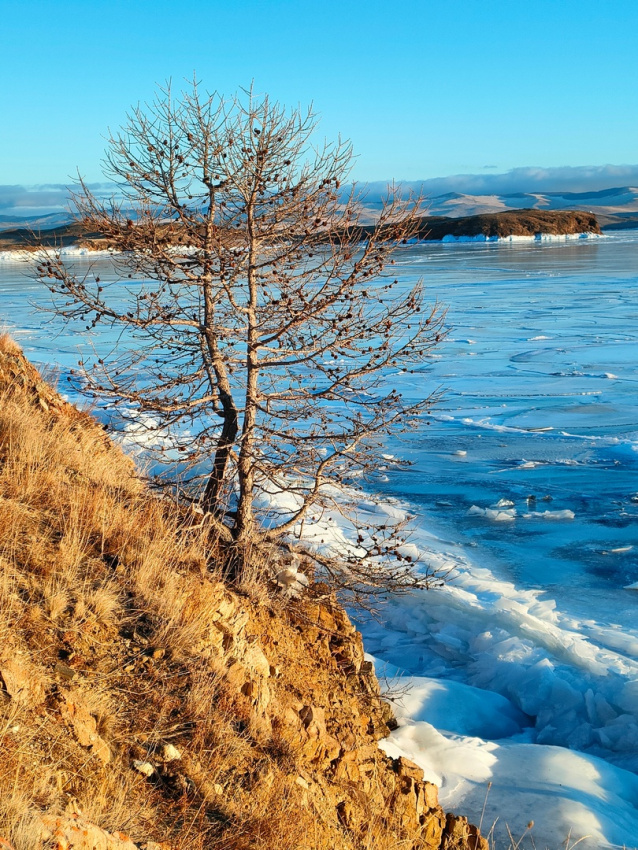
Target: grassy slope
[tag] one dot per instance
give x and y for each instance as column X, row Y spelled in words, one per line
column 118, row 641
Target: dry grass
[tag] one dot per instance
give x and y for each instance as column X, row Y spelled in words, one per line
column 103, row 581
column 110, row 603
column 8, row 345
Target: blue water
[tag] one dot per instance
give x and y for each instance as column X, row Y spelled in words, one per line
column 542, row 337
column 539, row 410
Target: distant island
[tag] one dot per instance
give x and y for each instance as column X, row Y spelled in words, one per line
column 510, row 223
column 501, row 225
column 60, row 236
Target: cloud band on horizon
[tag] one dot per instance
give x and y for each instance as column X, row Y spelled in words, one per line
column 527, row 179
column 23, row 201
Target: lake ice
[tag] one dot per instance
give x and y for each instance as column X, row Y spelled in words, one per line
column 524, row 666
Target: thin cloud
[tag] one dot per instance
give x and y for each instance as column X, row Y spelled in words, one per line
column 19, row 198
column 593, row 178
column 24, row 201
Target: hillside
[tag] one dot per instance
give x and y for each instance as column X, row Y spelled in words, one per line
column 608, row 205
column 144, row 703
column 60, row 236
column 529, row 223
column 36, row 222
column 614, row 208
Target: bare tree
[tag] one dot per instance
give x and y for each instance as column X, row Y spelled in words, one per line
column 264, row 319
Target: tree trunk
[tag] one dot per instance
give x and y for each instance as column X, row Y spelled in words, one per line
column 212, row 493
column 230, row 427
column 244, row 525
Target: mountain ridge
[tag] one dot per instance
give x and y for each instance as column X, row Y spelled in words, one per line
column 616, row 207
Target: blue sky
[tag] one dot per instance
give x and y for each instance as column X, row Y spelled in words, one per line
column 423, row 89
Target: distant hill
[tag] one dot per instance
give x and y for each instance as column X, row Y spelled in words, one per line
column 37, row 222
column 614, row 208
column 500, row 225
column 31, row 237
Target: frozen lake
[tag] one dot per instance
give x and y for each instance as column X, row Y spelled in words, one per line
column 524, row 667
column 527, row 478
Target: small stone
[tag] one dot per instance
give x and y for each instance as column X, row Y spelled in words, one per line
column 431, row 794
column 85, row 727
column 170, row 753
column 405, row 767
column 144, row 767
column 73, row 832
column 65, row 671
column 302, row 782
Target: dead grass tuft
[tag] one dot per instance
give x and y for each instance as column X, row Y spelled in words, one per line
column 8, row 345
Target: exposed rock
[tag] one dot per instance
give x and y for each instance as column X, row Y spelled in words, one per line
column 459, row 835
column 320, row 747
column 73, row 832
column 170, row 753
column 21, row 682
column 84, row 725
